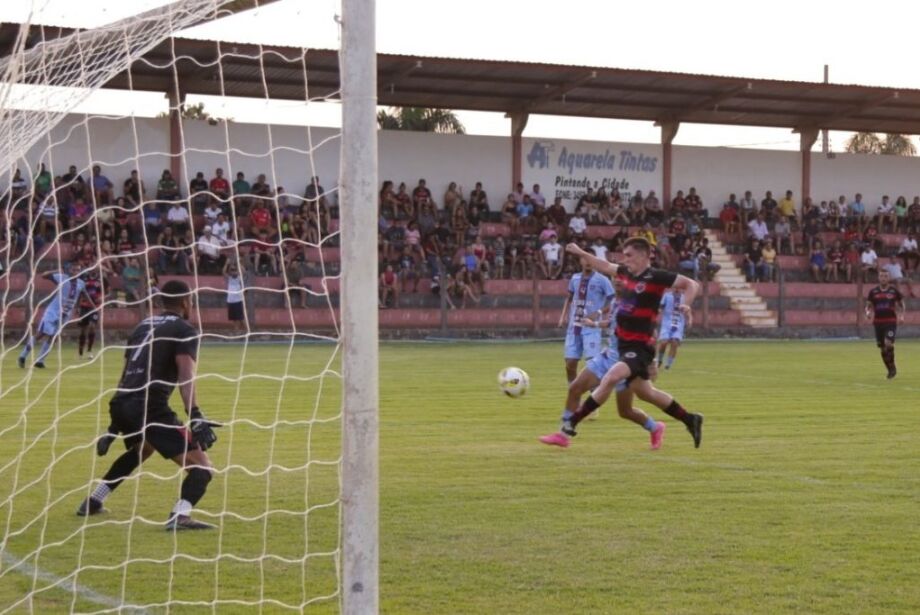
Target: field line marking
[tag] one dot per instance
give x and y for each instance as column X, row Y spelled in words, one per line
column 25, row 568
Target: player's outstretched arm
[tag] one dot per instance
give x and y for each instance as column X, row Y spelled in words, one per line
column 598, row 264
column 689, row 290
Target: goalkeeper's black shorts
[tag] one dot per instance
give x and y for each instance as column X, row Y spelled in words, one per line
column 162, row 429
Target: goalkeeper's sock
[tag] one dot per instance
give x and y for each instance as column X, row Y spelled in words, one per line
column 46, row 350
column 101, row 492
column 120, row 470
column 183, row 508
column 27, row 349
column 193, row 487
column 650, row 424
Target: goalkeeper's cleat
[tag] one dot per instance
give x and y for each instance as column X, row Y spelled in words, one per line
column 178, row 523
column 555, row 439
column 89, row 507
column 658, row 435
column 39, row 364
column 695, row 427
column 22, row 362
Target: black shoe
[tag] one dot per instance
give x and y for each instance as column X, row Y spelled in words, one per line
column 184, row 522
column 39, row 365
column 568, row 430
column 695, row 427
column 22, row 362
column 892, row 372
column 90, row 507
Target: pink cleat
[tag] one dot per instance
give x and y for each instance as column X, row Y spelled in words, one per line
column 658, row 435
column 556, row 439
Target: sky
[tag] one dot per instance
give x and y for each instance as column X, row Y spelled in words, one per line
column 782, row 39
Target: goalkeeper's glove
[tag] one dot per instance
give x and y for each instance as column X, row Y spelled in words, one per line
column 105, row 441
column 202, row 429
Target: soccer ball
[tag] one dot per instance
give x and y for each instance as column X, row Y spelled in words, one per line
column 513, row 381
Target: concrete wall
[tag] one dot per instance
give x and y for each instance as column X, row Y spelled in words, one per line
column 281, row 152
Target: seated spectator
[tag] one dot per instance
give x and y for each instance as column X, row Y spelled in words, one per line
column 653, row 211
column 102, row 188
column 578, row 226
column 133, row 190
column 818, row 262
column 885, row 215
column 536, row 197
column 469, row 259
column 210, row 260
column 599, row 248
column 769, row 260
column 389, row 288
column 475, row 218
column 729, row 219
column 695, row 204
column 679, row 204
column 868, row 262
column 414, row 241
column 785, row 241
column 522, row 259
column 518, row 193
column 153, row 219
column 74, row 184
column 79, row 212
column 408, row 271
column 219, row 186
column 178, row 217
column 550, row 262
column 909, row 253
column 262, row 189
column 913, row 216
column 857, row 212
column 786, row 208
column 870, row 235
column 747, row 208
column 198, row 193
column 897, row 277
column 525, row 217
column 637, row 210
column 453, row 196
column 460, row 221
column 405, row 209
column 211, row 212
column 125, row 247
column 480, row 199
column 387, row 199
column 44, row 182
column 753, row 262
column 167, row 188
column 768, row 207
column 221, row 229
column 395, row 240
column 18, row 187
column 315, row 194
column 260, row 219
column 852, row 258
column 132, row 279
column 420, row 194
column 285, row 204
column 835, row 264
column 263, row 255
column 480, row 251
column 757, row 228
column 242, row 194
column 834, row 216
column 172, row 256
column 294, row 285
column 810, row 231
column 900, row 212
column 461, row 287
column 619, row 239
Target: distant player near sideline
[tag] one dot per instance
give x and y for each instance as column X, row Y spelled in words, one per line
column 69, row 290
column 636, row 316
column 89, row 306
column 590, row 377
column 161, row 354
column 589, row 294
column 671, row 332
column 885, row 306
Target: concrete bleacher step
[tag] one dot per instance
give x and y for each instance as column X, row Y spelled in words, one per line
column 743, row 298
column 759, row 322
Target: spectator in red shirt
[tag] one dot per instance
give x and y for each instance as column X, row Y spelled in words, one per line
column 219, row 185
column 420, row 194
column 729, row 219
column 263, row 255
column 678, row 204
column 260, row 219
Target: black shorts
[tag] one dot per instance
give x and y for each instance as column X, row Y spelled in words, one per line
column 638, row 357
column 885, row 331
column 88, row 316
column 162, row 429
column 235, row 311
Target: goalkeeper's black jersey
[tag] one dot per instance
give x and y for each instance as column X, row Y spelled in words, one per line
column 150, row 359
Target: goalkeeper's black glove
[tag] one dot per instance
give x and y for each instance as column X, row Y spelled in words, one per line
column 105, row 441
column 202, row 429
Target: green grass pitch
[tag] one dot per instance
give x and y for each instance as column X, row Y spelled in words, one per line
column 804, row 497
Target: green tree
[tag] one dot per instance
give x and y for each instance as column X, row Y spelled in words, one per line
column 420, row 119
column 195, row 112
column 871, row 143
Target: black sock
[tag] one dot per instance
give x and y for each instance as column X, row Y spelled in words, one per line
column 888, row 357
column 195, row 484
column 122, row 468
column 92, row 340
column 587, row 407
column 677, row 411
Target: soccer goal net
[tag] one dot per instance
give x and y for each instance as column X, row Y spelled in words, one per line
column 147, row 151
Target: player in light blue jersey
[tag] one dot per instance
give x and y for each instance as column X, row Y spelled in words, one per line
column 589, row 295
column 671, row 331
column 595, row 370
column 58, row 313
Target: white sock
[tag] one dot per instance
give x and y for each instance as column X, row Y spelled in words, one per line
column 101, row 492
column 183, row 508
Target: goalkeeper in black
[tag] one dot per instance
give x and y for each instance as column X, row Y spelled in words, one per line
column 161, row 355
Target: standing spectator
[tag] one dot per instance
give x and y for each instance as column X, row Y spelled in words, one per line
column 18, row 187
column 768, row 206
column 420, row 194
column 198, row 192
column 459, row 221
column 834, row 216
column 810, row 231
column 909, row 254
column 102, row 188
column 408, row 271
column 236, row 312
column 210, row 259
column 913, row 216
column 498, row 257
column 133, row 190
column 868, row 262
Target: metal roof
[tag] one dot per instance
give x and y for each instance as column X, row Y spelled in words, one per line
column 236, row 69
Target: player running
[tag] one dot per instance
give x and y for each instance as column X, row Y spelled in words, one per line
column 671, row 332
column 589, row 294
column 636, row 315
column 161, row 354
column 89, row 306
column 885, row 306
column 70, row 288
column 591, row 376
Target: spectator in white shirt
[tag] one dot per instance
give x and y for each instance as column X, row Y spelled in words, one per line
column 177, row 217
column 551, row 263
column 600, row 250
column 869, row 262
column 210, row 259
column 909, row 253
column 885, row 215
column 211, row 213
column 536, row 197
column 578, row 225
column 221, row 229
column 758, row 228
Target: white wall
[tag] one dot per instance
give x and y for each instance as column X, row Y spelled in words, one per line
column 281, row 153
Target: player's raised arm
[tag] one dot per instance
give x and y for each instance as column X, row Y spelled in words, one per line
column 598, row 264
column 689, row 289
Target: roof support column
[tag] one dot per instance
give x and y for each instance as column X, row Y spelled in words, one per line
column 807, row 138
column 176, row 146
column 668, row 132
column 518, row 123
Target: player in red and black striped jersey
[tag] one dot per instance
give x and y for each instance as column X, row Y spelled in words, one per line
column 641, row 288
column 89, row 312
column 885, row 306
